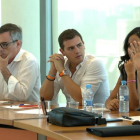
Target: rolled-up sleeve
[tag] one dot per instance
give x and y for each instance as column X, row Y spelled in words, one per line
column 22, row 85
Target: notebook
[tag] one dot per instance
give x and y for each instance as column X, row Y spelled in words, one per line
column 110, row 131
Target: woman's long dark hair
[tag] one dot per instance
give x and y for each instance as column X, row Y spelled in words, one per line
column 135, row 31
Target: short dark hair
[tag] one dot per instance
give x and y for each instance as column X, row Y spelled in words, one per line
column 67, row 35
column 14, row 30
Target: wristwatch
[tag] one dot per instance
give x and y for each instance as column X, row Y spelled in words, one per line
column 63, row 73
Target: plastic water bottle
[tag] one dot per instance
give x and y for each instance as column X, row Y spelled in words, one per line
column 123, row 98
column 88, row 98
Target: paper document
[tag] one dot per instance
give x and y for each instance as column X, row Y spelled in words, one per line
column 133, row 118
column 1, row 102
column 30, row 111
column 14, row 106
column 104, row 109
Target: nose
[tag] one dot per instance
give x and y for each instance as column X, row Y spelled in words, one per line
column 76, row 50
column 0, row 48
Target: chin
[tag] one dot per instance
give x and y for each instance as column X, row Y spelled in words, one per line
column 79, row 61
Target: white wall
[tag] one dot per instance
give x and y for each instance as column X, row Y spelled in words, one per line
column 26, row 14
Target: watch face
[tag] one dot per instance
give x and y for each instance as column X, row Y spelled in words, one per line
column 65, row 72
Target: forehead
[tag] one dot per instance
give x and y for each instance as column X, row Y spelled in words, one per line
column 132, row 38
column 72, row 42
column 4, row 37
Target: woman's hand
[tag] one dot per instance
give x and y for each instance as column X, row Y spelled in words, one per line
column 129, row 67
column 134, row 53
column 113, row 104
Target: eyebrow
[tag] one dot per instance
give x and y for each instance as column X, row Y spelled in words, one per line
column 79, row 43
column 3, row 42
column 75, row 45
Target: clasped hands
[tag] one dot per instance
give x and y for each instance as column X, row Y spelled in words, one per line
column 57, row 62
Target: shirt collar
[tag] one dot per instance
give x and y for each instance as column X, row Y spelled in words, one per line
column 18, row 56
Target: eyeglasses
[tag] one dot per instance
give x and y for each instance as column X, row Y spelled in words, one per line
column 5, row 44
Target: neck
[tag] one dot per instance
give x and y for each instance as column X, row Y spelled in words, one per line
column 72, row 68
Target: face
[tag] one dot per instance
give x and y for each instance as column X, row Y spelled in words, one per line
column 12, row 48
column 74, row 50
column 133, row 38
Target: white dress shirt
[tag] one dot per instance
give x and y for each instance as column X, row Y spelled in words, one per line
column 24, row 83
column 90, row 71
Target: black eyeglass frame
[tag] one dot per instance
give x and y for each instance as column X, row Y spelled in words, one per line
column 5, row 44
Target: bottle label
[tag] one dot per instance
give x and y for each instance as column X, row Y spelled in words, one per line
column 124, row 98
column 89, row 103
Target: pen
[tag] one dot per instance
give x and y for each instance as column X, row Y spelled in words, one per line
column 126, row 117
column 22, row 105
column 43, row 106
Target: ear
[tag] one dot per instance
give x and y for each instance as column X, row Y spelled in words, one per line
column 62, row 51
column 84, row 44
column 18, row 43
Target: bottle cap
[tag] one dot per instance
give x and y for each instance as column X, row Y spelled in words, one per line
column 123, row 82
column 88, row 86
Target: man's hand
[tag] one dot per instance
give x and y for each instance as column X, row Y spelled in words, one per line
column 58, row 61
column 3, row 67
column 4, row 62
column 113, row 104
column 52, row 69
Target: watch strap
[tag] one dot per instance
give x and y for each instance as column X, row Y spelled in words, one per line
column 61, row 73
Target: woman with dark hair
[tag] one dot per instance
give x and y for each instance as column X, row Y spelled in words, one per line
column 128, row 72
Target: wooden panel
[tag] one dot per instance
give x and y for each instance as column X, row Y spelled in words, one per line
column 16, row 134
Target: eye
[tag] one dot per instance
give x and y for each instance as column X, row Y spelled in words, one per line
column 79, row 45
column 70, row 48
column 4, row 45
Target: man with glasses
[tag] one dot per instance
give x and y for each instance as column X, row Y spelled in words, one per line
column 19, row 69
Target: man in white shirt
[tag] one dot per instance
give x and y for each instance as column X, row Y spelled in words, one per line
column 19, row 69
column 75, row 71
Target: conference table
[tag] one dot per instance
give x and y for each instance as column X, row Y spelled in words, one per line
column 33, row 124
column 73, row 133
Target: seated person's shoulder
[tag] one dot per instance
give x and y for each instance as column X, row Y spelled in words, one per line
column 27, row 56
column 92, row 60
